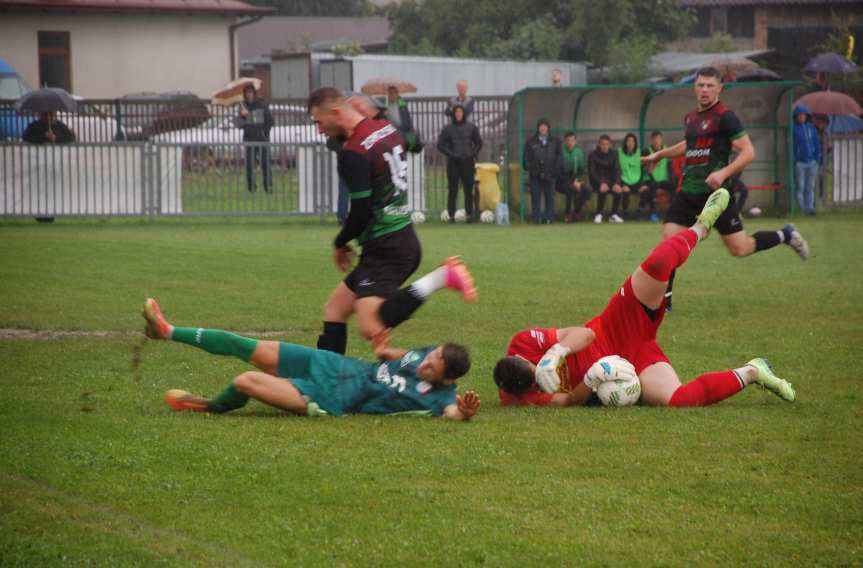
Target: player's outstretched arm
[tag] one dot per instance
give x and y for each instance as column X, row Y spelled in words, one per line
column 465, row 409
column 670, row 152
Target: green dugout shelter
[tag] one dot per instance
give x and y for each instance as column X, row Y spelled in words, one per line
column 591, row 110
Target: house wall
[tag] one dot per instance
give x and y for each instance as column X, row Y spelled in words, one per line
column 117, row 54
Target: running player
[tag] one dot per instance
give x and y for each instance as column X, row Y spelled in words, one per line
column 312, row 382
column 372, row 162
column 712, row 130
column 544, row 360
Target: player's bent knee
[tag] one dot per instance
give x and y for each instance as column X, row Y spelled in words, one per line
column 245, row 382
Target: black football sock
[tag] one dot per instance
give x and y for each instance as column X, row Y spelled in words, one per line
column 334, row 338
column 400, row 307
column 768, row 239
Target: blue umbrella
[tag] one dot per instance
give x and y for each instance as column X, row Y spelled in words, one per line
column 830, row 63
column 844, row 123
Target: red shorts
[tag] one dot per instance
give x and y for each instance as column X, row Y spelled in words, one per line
column 624, row 328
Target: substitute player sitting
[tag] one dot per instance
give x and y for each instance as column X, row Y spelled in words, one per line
column 372, row 163
column 547, row 366
column 312, row 382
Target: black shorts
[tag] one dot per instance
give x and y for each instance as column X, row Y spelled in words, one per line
column 385, row 263
column 686, row 206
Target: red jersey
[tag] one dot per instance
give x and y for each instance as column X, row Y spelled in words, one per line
column 625, row 327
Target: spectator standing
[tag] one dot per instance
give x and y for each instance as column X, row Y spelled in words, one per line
column 807, row 157
column 256, row 121
column 543, row 157
column 555, row 78
column 48, row 130
column 603, row 172
column 462, row 99
column 460, row 142
column 659, row 177
column 572, row 181
column 631, row 173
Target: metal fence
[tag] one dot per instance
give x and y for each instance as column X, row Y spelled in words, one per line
column 178, row 168
column 843, row 179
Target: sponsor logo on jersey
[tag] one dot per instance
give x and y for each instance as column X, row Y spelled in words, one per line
column 538, row 336
column 366, row 282
column 397, row 210
column 375, row 136
column 409, row 357
column 424, row 387
column 705, row 124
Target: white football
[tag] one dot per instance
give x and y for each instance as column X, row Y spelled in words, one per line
column 619, row 392
column 460, row 216
column 755, row 211
column 418, row 217
column 444, row 216
column 486, row 216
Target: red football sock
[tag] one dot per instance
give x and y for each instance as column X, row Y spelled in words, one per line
column 669, row 254
column 708, row 388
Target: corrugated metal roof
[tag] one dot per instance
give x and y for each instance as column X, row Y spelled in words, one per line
column 234, row 7
column 677, row 62
column 295, row 35
column 705, row 3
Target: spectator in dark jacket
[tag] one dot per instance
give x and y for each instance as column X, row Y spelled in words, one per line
column 460, row 142
column 256, row 121
column 543, row 160
column 48, row 130
column 603, row 170
column 807, row 157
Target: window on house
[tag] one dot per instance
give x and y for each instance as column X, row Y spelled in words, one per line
column 718, row 20
column 55, row 60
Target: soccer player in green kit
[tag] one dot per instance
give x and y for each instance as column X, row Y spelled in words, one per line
column 712, row 131
column 372, row 163
column 315, row 382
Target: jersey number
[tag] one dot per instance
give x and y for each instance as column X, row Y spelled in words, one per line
column 398, row 164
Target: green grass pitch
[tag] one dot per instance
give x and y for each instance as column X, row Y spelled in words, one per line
column 95, row 470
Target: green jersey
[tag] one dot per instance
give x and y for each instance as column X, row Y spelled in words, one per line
column 573, row 161
column 630, row 167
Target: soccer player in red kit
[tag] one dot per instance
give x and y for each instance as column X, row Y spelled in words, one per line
column 562, row 367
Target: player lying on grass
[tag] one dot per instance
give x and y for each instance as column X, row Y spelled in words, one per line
column 316, row 382
column 574, row 361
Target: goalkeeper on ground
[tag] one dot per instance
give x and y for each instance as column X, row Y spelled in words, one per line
column 562, row 367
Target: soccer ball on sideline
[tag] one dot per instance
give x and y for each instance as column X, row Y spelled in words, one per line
column 486, row 216
column 444, row 216
column 460, row 216
column 418, row 217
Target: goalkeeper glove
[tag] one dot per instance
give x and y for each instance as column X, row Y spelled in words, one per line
column 609, row 368
column 546, row 370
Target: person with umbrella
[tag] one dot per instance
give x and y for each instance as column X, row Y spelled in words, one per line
column 256, row 121
column 807, row 157
column 47, row 129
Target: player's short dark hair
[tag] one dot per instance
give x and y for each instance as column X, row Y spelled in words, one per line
column 709, row 72
column 542, row 121
column 513, row 375
column 655, row 133
column 456, row 360
column 323, row 97
column 605, row 137
column 569, row 133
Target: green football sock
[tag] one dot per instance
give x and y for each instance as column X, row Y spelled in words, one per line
column 229, row 399
column 216, row 341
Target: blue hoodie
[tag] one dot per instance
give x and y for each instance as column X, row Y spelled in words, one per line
column 807, row 146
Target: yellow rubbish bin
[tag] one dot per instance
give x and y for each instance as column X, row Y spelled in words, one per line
column 489, row 189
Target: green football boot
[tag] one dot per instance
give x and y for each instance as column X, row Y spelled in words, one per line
column 716, row 204
column 766, row 378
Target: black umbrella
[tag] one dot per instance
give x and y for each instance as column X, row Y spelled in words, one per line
column 830, row 63
column 48, row 99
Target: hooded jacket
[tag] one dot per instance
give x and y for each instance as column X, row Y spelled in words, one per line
column 460, row 140
column 257, row 124
column 807, row 145
column 603, row 168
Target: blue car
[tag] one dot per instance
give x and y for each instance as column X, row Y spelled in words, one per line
column 12, row 87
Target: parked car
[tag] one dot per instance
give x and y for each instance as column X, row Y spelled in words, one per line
column 12, row 87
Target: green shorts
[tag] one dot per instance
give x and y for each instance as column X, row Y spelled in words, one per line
column 331, row 381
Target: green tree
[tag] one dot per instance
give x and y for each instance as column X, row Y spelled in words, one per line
column 719, row 42
column 319, row 7
column 629, row 58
